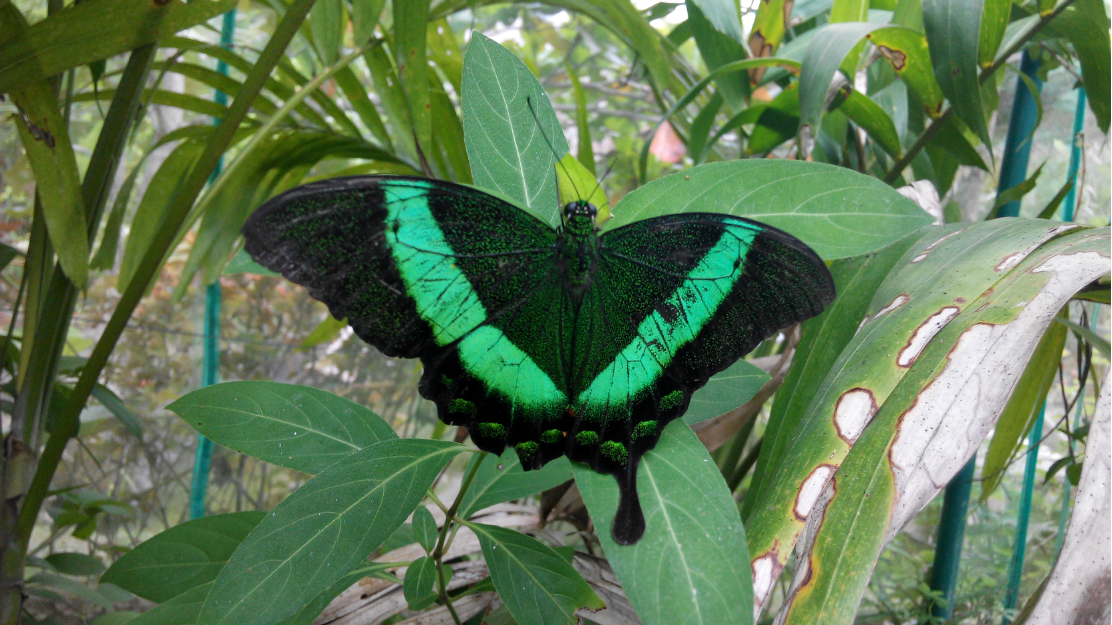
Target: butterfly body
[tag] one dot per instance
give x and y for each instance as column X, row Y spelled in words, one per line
column 556, row 342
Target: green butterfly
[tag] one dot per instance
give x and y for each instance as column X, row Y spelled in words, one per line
column 552, row 341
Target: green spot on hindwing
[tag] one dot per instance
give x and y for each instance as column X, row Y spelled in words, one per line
column 526, row 451
column 587, row 438
column 492, row 430
column 461, row 408
column 551, row 436
column 645, row 429
column 671, row 401
column 614, row 451
column 446, row 381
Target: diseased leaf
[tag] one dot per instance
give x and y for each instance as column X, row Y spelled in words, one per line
column 907, row 53
column 289, row 425
column 343, row 513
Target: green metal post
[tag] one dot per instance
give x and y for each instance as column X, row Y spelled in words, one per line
column 1013, row 170
column 210, row 373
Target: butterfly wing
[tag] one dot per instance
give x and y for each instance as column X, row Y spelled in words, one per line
column 675, row 300
column 445, row 273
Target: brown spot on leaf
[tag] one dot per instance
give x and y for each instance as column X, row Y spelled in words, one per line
column 898, row 59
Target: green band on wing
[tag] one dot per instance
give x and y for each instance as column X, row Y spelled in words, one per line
column 658, row 340
column 446, row 300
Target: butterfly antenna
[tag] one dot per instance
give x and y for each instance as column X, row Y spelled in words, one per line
column 598, row 183
column 529, row 103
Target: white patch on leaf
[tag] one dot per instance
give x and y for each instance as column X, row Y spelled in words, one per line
column 811, row 489
column 924, row 333
column 854, row 411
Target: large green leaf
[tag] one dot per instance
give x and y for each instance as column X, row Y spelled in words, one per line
column 95, row 30
column 994, row 22
column 873, row 120
column 292, row 426
column 689, row 566
column 723, row 15
column 535, row 583
column 825, row 54
column 719, row 45
column 501, row 478
column 181, row 610
column 183, row 557
column 1085, row 25
column 411, row 58
column 725, row 391
column 508, row 153
column 953, row 33
column 326, row 22
column 935, row 418
column 822, row 339
column 321, row 531
column 906, row 50
column 836, row 211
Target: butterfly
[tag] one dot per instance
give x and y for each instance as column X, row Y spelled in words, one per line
column 556, row 342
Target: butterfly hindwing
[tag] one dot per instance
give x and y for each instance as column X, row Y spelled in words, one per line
column 456, row 277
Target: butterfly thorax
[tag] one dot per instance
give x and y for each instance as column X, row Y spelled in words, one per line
column 578, row 248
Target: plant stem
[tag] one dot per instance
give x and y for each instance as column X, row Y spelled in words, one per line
column 438, row 553
column 937, row 124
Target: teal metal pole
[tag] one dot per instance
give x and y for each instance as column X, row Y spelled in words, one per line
column 1069, row 209
column 955, row 504
column 1019, row 550
column 210, row 373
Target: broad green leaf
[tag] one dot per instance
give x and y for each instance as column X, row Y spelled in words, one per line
column 71, row 563
column 699, row 133
column 180, row 610
column 242, row 262
column 68, row 585
column 1085, row 25
column 115, row 618
column 419, row 581
column 501, row 478
column 685, row 568
column 822, row 339
column 326, row 22
column 534, row 582
column 364, row 18
column 906, row 50
column 158, row 198
column 292, row 426
column 46, row 141
column 849, row 11
column 873, row 120
column 837, row 212
column 326, row 332
column 119, row 409
column 825, row 54
column 951, row 138
column 182, row 558
column 725, row 391
column 411, row 58
column 934, row 419
column 778, row 122
column 719, row 46
column 507, row 146
column 953, row 33
column 92, row 31
column 1023, row 407
column 321, row 531
column 575, row 182
column 994, row 22
column 424, row 528
column 585, row 152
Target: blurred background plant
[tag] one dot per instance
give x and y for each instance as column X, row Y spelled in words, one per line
column 332, row 95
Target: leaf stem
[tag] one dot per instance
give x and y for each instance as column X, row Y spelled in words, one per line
column 941, row 120
column 438, row 553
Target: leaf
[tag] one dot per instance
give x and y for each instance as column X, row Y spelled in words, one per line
column 116, row 406
column 91, row 31
column 7, row 255
column 725, row 391
column 418, row 584
column 778, row 122
column 46, row 141
column 950, row 138
column 828, row 49
column 573, row 179
column 1085, row 25
column 769, row 26
column 533, row 581
column 115, row 618
column 508, row 153
column 856, row 281
column 180, row 610
column 424, row 528
column 873, row 120
column 994, row 21
column 953, row 34
column 242, row 262
column 501, row 478
column 943, row 365
column 326, row 332
column 326, row 23
column 1025, row 404
column 1052, row 206
column 71, row 563
column 105, row 256
column 411, row 58
column 323, row 530
column 684, row 569
column 849, row 11
column 1093, row 338
column 700, row 128
column 837, row 212
column 182, row 558
column 1016, row 193
column 719, row 45
column 364, row 18
column 907, row 52
column 69, row 586
column 293, row 426
column 585, row 153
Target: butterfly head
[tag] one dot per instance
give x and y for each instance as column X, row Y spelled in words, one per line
column 579, row 217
